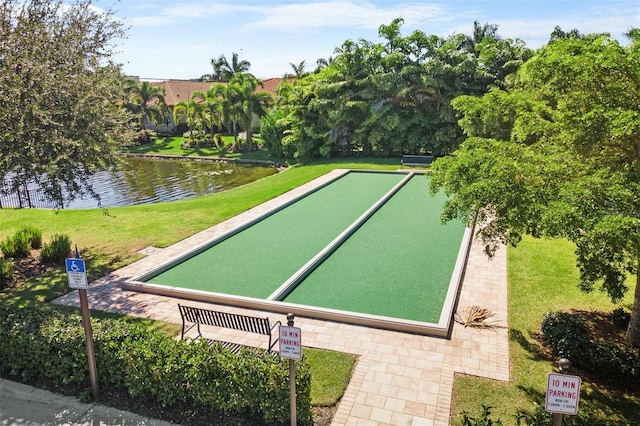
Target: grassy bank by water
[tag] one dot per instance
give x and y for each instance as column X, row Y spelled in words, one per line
column 111, row 238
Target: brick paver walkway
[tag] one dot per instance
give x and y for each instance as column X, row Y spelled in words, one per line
column 399, row 379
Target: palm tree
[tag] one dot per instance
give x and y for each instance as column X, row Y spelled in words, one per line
column 211, row 101
column 192, row 112
column 224, row 71
column 229, row 95
column 323, row 63
column 249, row 103
column 147, row 100
column 298, row 70
column 480, row 32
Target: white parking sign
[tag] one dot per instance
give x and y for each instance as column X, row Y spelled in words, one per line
column 563, row 394
column 76, row 273
column 290, row 339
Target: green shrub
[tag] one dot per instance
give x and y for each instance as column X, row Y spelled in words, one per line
column 620, row 317
column 57, row 250
column 17, row 246
column 568, row 337
column 484, row 420
column 190, row 375
column 567, row 334
column 6, row 271
column 34, row 234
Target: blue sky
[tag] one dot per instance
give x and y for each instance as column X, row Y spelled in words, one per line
column 177, row 39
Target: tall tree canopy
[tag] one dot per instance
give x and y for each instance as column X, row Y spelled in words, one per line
column 146, row 101
column 558, row 155
column 61, row 95
column 392, row 97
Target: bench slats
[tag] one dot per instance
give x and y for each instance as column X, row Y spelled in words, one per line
column 200, row 316
column 417, row 160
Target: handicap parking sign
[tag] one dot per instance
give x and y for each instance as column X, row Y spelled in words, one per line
column 76, row 273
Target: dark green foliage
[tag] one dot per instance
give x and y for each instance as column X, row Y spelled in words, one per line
column 19, row 245
column 57, row 250
column 554, row 154
column 568, row 336
column 272, row 131
column 391, row 97
column 620, row 317
column 62, row 116
column 484, row 420
column 150, row 366
column 541, row 417
column 6, row 271
column 16, row 246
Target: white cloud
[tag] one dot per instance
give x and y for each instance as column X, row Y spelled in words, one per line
column 302, row 16
column 185, row 12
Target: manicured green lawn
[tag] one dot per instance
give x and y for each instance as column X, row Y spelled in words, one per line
column 542, row 278
column 171, row 146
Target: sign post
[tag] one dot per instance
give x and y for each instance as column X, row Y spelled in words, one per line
column 563, row 393
column 77, row 278
column 290, row 339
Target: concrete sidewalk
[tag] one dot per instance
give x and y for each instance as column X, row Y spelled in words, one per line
column 25, row 405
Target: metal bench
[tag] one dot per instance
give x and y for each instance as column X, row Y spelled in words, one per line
column 200, row 316
column 417, row 160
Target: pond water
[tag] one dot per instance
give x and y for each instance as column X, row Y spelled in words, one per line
column 144, row 181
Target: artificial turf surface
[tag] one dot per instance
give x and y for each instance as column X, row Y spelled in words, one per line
column 256, row 261
column 398, row 264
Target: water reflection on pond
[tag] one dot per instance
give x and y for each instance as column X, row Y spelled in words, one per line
column 144, row 181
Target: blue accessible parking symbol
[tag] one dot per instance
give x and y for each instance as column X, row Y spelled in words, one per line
column 76, row 273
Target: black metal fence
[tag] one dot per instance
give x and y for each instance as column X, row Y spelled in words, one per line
column 27, row 198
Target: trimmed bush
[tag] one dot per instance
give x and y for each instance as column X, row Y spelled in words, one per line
column 57, row 250
column 34, row 234
column 148, row 365
column 568, row 337
column 17, row 246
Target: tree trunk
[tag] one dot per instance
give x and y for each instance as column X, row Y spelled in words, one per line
column 249, row 139
column 235, row 133
column 633, row 331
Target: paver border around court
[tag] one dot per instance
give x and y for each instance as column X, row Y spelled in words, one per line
column 399, row 379
column 442, row 328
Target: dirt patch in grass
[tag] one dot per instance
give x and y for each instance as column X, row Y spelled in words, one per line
column 26, row 268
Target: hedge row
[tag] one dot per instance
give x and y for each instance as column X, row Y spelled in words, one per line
column 47, row 344
column 568, row 336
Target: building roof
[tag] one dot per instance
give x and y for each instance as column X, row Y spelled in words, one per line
column 181, row 90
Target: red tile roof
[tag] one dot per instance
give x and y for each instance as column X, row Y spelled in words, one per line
column 181, row 90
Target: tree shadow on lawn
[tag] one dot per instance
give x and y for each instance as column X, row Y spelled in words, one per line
column 154, row 147
column 598, row 405
column 533, row 346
